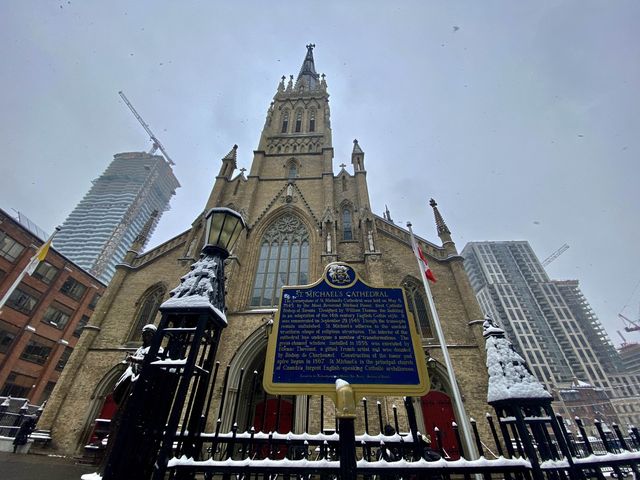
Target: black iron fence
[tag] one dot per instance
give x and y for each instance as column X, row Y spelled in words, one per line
column 14, row 412
column 393, row 447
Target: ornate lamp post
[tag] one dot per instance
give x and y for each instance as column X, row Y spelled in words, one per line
column 190, row 328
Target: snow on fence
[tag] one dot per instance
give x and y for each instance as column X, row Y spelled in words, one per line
column 399, row 450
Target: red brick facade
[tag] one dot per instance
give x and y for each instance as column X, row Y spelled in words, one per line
column 43, row 318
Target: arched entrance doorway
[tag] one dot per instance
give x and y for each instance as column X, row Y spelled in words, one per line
column 437, row 412
column 256, row 408
column 101, row 410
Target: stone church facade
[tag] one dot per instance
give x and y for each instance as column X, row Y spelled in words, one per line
column 301, row 215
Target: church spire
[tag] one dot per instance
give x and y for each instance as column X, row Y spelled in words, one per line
column 443, row 231
column 142, row 238
column 440, row 225
column 308, row 76
column 229, row 163
column 357, row 157
column 298, row 119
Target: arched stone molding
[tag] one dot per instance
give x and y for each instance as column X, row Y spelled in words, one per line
column 250, row 354
column 418, row 305
column 156, row 293
column 100, row 392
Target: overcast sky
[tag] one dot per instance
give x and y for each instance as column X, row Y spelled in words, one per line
column 521, row 119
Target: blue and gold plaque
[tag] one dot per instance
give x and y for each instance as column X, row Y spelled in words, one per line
column 342, row 328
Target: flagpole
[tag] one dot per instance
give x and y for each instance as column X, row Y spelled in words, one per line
column 460, row 413
column 28, row 268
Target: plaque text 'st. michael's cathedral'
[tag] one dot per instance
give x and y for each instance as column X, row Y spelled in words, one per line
column 301, row 215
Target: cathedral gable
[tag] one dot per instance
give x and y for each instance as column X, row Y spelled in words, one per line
column 288, row 194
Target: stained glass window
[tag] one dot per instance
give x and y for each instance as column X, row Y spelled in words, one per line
column 283, row 260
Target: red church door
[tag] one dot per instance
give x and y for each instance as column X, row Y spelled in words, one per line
column 285, row 422
column 102, row 422
column 437, row 411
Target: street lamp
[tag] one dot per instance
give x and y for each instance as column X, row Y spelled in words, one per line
column 190, row 328
column 223, row 228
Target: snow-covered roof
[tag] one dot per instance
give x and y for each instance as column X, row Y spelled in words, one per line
column 509, row 377
column 580, row 383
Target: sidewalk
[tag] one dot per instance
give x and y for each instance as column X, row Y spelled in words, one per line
column 37, row 467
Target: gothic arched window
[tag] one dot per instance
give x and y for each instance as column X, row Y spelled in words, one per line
column 283, row 260
column 347, row 231
column 418, row 306
column 298, row 121
column 285, row 121
column 312, row 120
column 148, row 305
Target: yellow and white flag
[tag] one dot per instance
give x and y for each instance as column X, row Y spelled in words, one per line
column 40, row 255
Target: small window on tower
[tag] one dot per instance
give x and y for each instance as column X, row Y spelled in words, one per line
column 347, row 233
column 298, row 121
column 293, row 171
column 312, row 120
column 285, row 121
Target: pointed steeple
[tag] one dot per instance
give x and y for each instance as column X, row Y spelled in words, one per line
column 443, row 231
column 308, row 76
column 440, row 225
column 298, row 121
column 357, row 157
column 229, row 163
column 387, row 214
column 142, row 238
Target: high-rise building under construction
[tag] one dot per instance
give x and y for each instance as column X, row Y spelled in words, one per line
column 135, row 189
column 550, row 322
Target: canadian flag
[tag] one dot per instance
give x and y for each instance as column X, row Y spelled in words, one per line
column 425, row 264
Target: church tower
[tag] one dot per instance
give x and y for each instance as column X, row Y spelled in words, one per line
column 301, row 215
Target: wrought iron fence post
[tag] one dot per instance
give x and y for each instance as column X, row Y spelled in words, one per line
column 521, row 427
column 413, row 427
column 607, row 445
column 563, row 444
column 191, row 323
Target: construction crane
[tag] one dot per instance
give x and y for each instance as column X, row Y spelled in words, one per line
column 624, row 340
column 629, row 325
column 156, row 143
column 555, row 255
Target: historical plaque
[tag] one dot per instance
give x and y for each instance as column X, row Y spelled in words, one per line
column 342, row 328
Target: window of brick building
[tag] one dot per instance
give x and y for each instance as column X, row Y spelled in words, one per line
column 94, row 301
column 17, row 385
column 45, row 272
column 73, row 288
column 37, row 350
column 64, row 358
column 24, row 299
column 81, row 324
column 57, row 315
column 46, row 393
column 7, row 333
column 9, row 247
